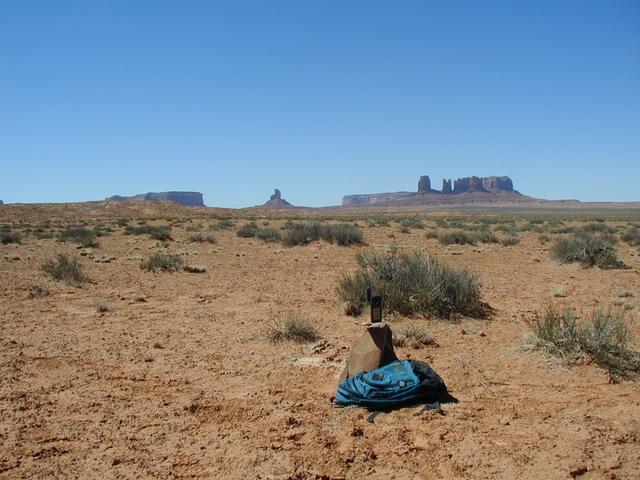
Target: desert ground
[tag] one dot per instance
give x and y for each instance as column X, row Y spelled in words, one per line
column 137, row 374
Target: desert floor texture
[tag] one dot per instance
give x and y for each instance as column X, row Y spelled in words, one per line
column 174, row 379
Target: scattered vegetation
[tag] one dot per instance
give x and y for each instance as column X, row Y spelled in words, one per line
column 162, row 262
column 509, row 241
column 457, row 237
column 66, row 269
column 8, row 237
column 224, row 224
column 295, row 327
column 200, row 238
column 411, row 222
column 268, row 235
column 83, row 236
column 632, row 236
column 158, row 232
column 340, row 233
column 603, row 339
column 587, row 249
column 248, row 230
column 413, row 336
column 411, row 284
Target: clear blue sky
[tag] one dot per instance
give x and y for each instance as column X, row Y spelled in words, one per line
column 318, row 98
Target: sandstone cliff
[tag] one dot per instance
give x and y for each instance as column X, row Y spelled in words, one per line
column 276, row 201
column 192, row 199
column 464, row 190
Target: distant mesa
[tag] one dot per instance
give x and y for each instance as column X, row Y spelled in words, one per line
column 276, row 201
column 191, row 199
column 463, row 190
column 1, row 202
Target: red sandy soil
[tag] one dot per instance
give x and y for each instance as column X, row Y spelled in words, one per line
column 184, row 385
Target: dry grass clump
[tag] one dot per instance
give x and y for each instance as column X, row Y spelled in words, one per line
column 295, row 327
column 632, row 236
column 413, row 336
column 66, row 269
column 162, row 262
column 158, row 232
column 457, row 237
column 588, row 250
column 509, row 241
column 484, row 235
column 8, row 237
column 248, row 230
column 200, row 238
column 411, row 222
column 83, row 236
column 224, row 224
column 602, row 338
column 412, row 284
column 269, row 235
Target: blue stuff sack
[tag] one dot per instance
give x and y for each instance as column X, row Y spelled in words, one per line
column 397, row 384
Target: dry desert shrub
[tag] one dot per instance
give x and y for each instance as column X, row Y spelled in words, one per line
column 602, row 338
column 158, row 232
column 588, row 250
column 200, row 238
column 632, row 236
column 162, row 262
column 248, row 230
column 413, row 336
column 294, row 327
column 8, row 237
column 268, row 235
column 66, row 269
column 412, row 284
column 343, row 234
column 83, row 236
column 457, row 237
column 509, row 241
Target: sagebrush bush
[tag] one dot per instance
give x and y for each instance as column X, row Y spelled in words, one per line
column 342, row 234
column 157, row 232
column 412, row 222
column 412, row 284
column 339, row 233
column 268, row 235
column 200, row 238
column 457, row 237
column 66, row 269
column 224, row 224
column 294, row 327
column 431, row 234
column 163, row 262
column 587, row 249
column 248, row 230
column 603, row 338
column 8, row 237
column 83, row 236
column 597, row 228
column 485, row 236
column 632, row 236
column 509, row 241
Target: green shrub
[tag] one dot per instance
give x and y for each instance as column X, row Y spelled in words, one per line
column 457, row 237
column 66, row 269
column 586, row 249
column 248, row 230
column 602, row 338
column 544, row 239
column 8, row 237
column 632, row 236
column 84, row 237
column 506, row 228
column 200, row 238
column 157, row 232
column 411, row 284
column 294, row 327
column 162, row 262
column 269, row 235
